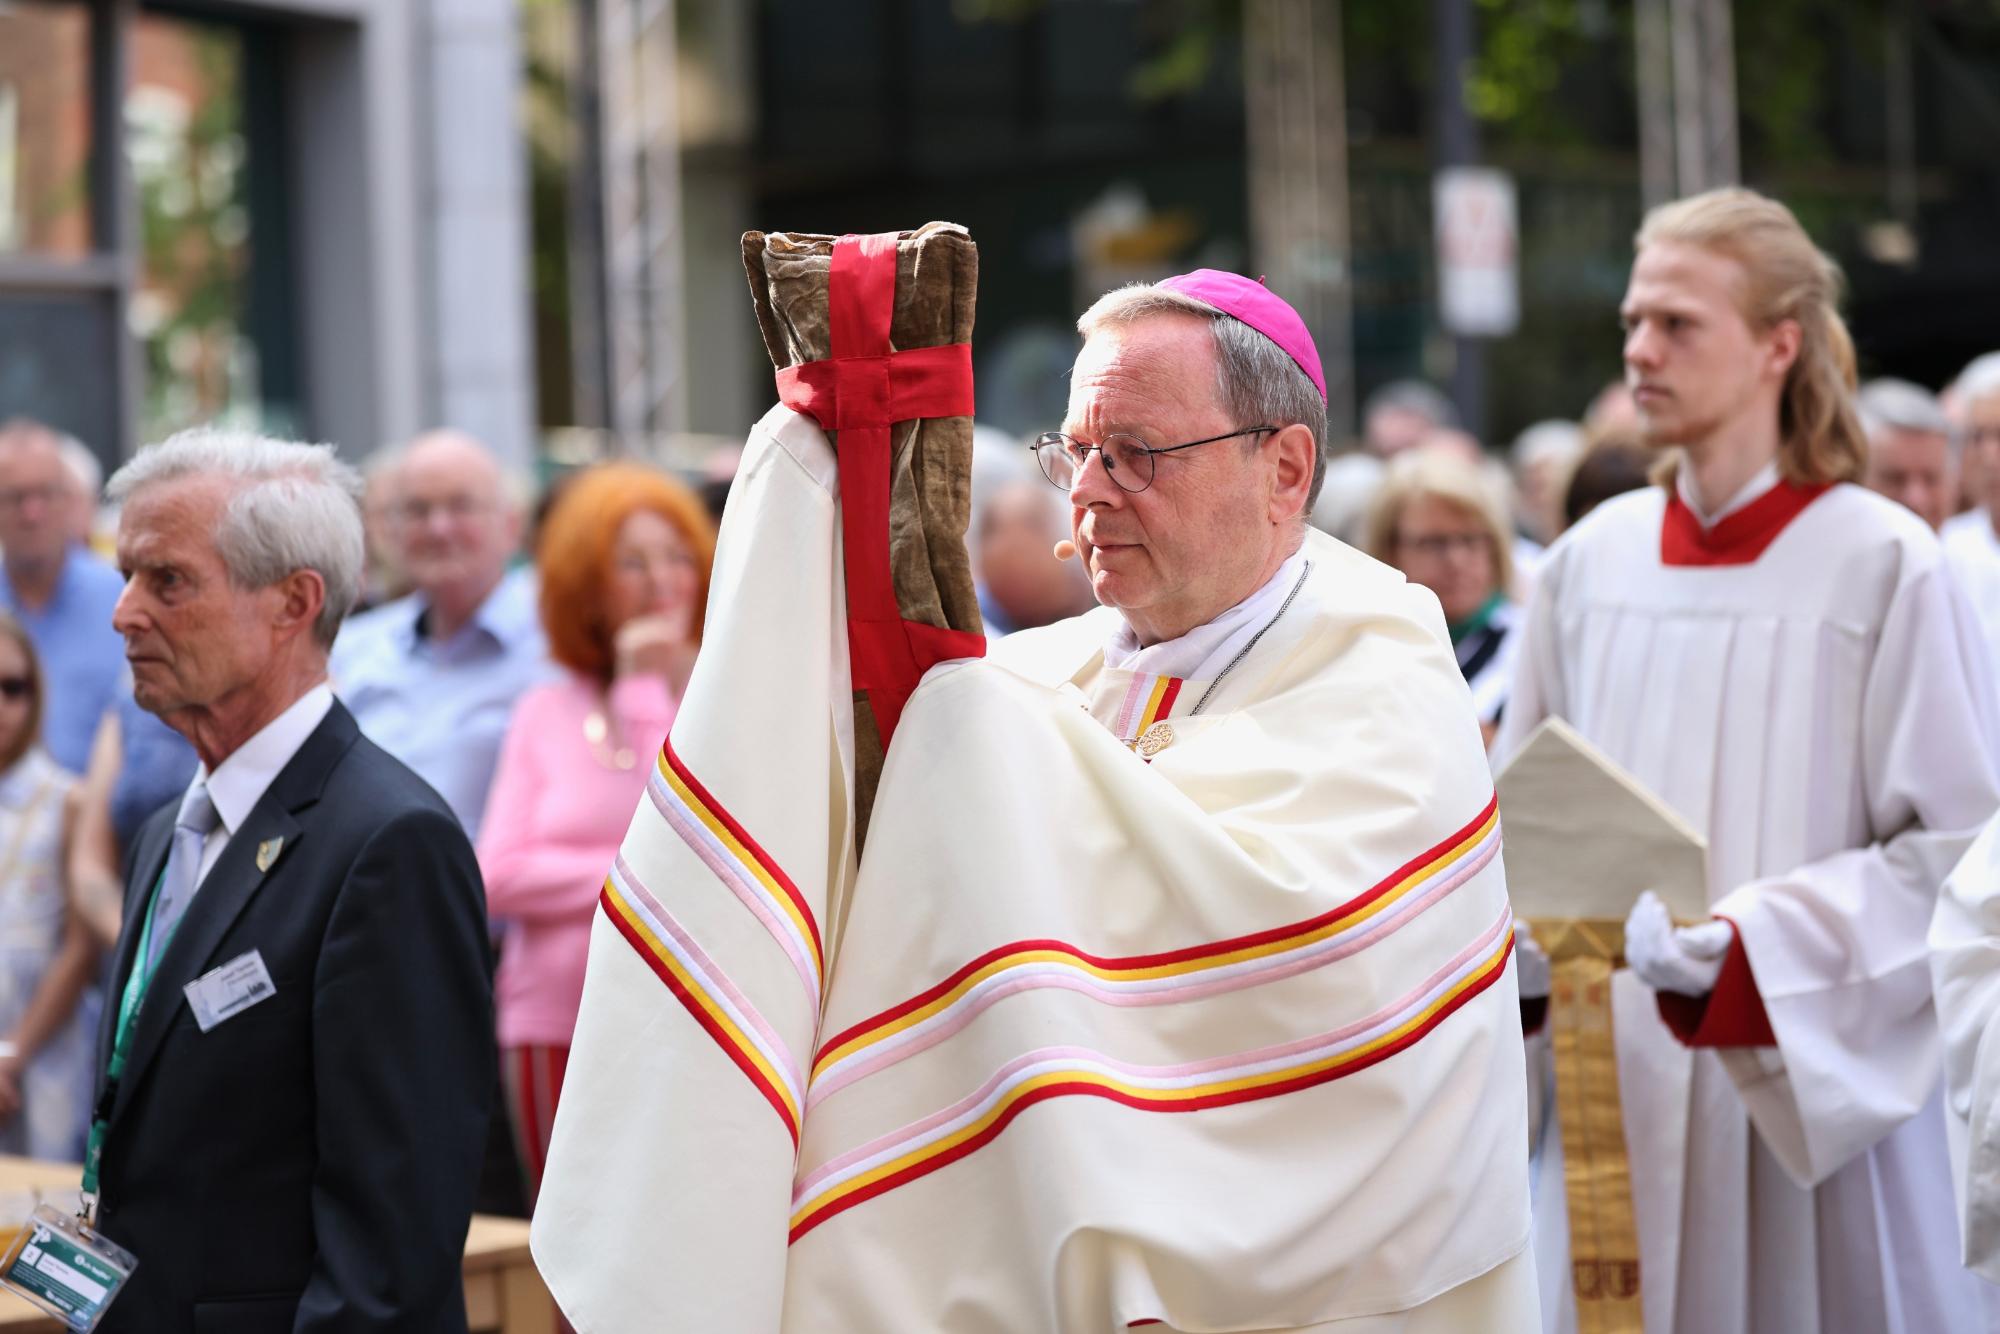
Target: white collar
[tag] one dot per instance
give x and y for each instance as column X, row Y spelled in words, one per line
column 1205, row 650
column 1766, row 477
column 240, row 781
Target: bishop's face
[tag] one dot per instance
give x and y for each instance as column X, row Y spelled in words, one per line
column 1694, row 363
column 1196, row 541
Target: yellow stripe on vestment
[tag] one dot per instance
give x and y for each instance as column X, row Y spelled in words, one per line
column 672, row 962
column 750, row 861
column 1184, row 968
column 1158, row 1097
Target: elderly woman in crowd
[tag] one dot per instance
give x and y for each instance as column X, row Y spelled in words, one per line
column 46, row 955
column 1439, row 521
column 625, row 555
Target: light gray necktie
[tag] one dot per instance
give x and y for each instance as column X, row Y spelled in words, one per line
column 191, row 829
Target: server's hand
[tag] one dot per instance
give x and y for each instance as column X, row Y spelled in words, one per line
column 1685, row 959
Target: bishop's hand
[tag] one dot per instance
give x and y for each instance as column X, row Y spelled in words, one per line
column 1685, row 959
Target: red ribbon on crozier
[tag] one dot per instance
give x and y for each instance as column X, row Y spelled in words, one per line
column 862, row 388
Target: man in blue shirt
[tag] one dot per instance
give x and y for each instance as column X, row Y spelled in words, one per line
column 57, row 589
column 432, row 677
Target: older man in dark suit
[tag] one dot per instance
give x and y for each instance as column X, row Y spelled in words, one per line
column 297, row 1059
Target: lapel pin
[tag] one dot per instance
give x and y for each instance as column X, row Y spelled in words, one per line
column 267, row 852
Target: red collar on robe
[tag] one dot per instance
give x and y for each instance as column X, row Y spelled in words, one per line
column 1738, row 538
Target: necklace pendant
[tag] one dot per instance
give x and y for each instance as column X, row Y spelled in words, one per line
column 1155, row 739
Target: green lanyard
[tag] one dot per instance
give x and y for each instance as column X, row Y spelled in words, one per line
column 129, row 1002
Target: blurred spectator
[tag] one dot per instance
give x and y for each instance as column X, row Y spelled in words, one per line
column 383, row 578
column 60, row 592
column 1396, row 418
column 1953, row 401
column 1911, row 454
column 625, row 560
column 432, row 677
column 86, row 476
column 1613, row 414
column 46, row 956
column 1972, row 539
column 137, row 765
column 1439, row 522
column 1543, row 457
column 1608, row 468
column 1017, row 518
column 1400, row 414
column 1345, row 493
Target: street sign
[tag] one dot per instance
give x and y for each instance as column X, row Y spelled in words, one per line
column 1478, row 249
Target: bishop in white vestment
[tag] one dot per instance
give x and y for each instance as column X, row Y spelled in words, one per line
column 1174, row 990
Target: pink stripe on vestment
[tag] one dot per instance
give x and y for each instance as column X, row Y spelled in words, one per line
column 1134, row 704
column 1276, row 968
column 1412, row 1001
column 702, row 842
column 776, row 1048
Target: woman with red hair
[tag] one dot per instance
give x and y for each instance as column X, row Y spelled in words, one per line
column 625, row 555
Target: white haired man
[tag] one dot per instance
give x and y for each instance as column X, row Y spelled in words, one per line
column 1972, row 539
column 1174, row 986
column 296, row 1069
column 432, row 677
column 1912, row 457
column 1780, row 656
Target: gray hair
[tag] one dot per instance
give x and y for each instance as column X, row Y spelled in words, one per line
column 82, row 465
column 295, row 507
column 1257, row 381
column 1425, row 400
column 1889, row 404
column 1980, row 379
column 1555, row 439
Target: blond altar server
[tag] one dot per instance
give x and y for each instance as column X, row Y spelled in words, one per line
column 1778, row 655
column 1175, row 987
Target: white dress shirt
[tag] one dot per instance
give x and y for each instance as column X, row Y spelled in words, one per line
column 239, row 782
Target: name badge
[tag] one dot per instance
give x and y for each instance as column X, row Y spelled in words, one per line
column 225, row 992
column 64, row 1267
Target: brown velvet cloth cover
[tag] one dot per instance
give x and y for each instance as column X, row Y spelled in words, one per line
column 930, row 498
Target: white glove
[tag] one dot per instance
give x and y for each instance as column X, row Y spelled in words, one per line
column 1531, row 965
column 1684, row 959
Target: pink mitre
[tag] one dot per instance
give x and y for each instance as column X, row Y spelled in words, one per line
column 1260, row 308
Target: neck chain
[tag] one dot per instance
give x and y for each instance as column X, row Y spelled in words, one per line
column 597, row 730
column 1245, row 650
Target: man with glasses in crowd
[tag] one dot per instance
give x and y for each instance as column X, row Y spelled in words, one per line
column 432, row 677
column 60, row 591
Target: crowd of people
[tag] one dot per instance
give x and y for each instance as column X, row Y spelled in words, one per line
column 525, row 658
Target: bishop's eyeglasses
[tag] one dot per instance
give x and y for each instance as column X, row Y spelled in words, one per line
column 1128, row 459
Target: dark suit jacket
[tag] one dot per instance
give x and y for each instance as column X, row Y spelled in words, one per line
column 308, row 1164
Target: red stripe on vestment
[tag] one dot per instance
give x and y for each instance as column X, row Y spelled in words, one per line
column 1478, row 984
column 750, row 845
column 1182, row 955
column 701, row 1016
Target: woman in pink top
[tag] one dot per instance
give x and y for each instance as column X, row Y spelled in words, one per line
column 624, row 557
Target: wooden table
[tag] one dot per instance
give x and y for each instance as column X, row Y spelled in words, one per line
column 503, row 1293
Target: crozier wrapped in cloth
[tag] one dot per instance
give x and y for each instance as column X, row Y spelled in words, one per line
column 886, row 370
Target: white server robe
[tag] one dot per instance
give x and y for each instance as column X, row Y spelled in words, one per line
column 1807, row 689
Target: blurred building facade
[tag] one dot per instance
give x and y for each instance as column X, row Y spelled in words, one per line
column 306, row 216
column 1086, row 142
